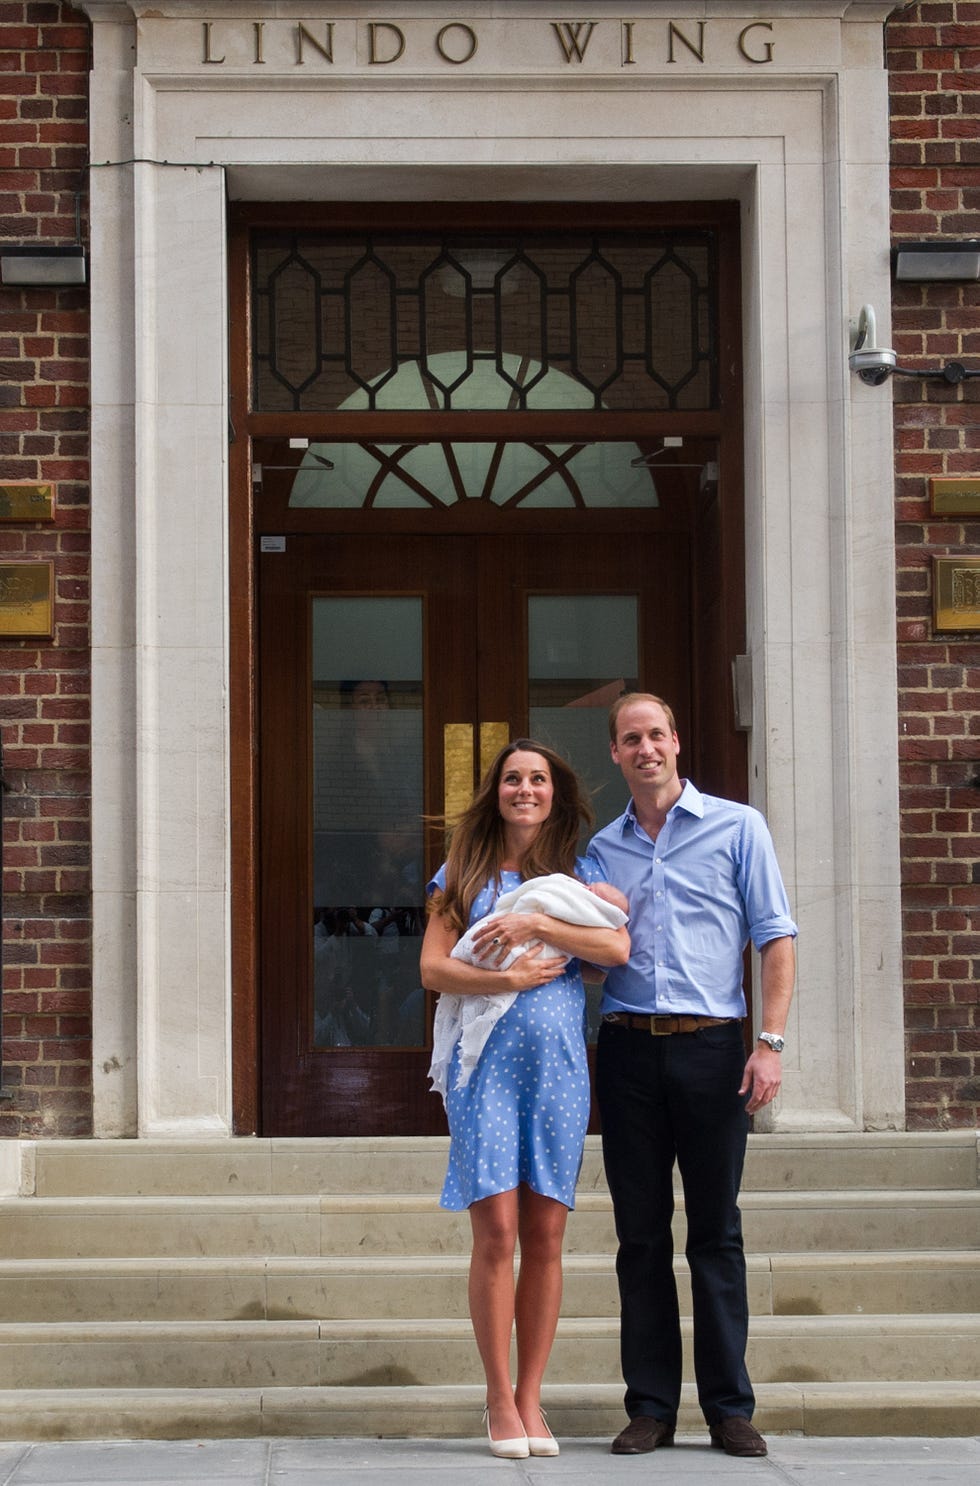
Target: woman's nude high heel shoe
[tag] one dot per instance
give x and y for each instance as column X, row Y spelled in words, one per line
column 543, row 1444
column 516, row 1449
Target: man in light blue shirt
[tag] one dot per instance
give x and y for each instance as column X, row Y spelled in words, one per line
column 672, row 1078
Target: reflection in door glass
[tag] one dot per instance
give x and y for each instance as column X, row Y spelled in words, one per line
column 583, row 652
column 368, row 886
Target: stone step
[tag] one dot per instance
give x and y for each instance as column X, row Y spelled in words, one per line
column 285, row 1289
column 590, row 1411
column 916, row 1283
column 322, row 1304
column 352, row 1354
column 172, row 1227
column 263, row 1167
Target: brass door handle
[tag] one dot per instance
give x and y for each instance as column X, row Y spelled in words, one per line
column 457, row 759
column 493, row 737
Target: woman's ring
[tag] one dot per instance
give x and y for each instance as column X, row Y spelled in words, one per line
column 495, row 941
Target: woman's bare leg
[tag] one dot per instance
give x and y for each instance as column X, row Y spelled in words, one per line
column 494, row 1221
column 538, row 1300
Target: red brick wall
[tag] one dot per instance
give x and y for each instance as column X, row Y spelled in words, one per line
column 933, row 55
column 45, row 685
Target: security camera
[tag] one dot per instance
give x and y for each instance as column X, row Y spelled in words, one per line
column 873, row 367
column 874, row 364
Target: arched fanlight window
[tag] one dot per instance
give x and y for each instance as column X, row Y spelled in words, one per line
column 439, row 472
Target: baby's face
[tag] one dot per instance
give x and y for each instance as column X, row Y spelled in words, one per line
column 609, row 894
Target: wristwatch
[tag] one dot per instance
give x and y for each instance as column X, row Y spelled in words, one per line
column 771, row 1040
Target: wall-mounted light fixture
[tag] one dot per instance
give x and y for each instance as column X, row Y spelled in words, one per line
column 874, row 364
column 936, row 261
column 43, row 264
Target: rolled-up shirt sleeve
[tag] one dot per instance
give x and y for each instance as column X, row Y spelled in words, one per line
column 764, row 895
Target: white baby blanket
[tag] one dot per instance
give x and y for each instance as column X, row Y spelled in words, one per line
column 469, row 1020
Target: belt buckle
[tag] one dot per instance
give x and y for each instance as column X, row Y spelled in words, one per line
column 658, row 1027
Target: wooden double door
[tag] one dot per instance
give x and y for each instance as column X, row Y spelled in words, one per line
column 392, row 667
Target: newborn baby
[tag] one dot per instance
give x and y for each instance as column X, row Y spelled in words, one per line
column 469, row 1020
column 558, row 895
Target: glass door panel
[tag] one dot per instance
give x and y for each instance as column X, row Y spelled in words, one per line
column 365, row 654
column 367, row 808
column 583, row 652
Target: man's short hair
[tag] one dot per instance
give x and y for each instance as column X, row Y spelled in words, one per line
column 627, row 699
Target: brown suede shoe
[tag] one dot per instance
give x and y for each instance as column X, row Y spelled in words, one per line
column 641, row 1435
column 736, row 1435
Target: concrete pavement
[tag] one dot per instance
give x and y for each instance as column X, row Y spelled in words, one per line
column 792, row 1461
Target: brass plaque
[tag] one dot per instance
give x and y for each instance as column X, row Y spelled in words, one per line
column 27, row 600
column 956, row 592
column 21, row 500
column 955, row 497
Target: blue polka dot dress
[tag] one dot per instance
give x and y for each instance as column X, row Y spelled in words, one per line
column 523, row 1114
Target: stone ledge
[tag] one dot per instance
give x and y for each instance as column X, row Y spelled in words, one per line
column 945, row 1409
column 254, row 1166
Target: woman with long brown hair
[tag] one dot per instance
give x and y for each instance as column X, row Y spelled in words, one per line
column 517, row 1121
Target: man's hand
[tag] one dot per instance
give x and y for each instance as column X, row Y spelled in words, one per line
column 762, row 1078
column 763, row 1074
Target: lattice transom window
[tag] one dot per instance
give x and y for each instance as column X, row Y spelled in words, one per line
column 387, row 322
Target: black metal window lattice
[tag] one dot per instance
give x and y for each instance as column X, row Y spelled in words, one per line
column 384, row 322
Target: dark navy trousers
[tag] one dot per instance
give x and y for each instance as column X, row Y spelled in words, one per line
column 663, row 1099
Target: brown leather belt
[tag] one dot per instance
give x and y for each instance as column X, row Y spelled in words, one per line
column 664, row 1026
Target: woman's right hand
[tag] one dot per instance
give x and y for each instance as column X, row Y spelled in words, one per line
column 440, row 972
column 529, row 971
